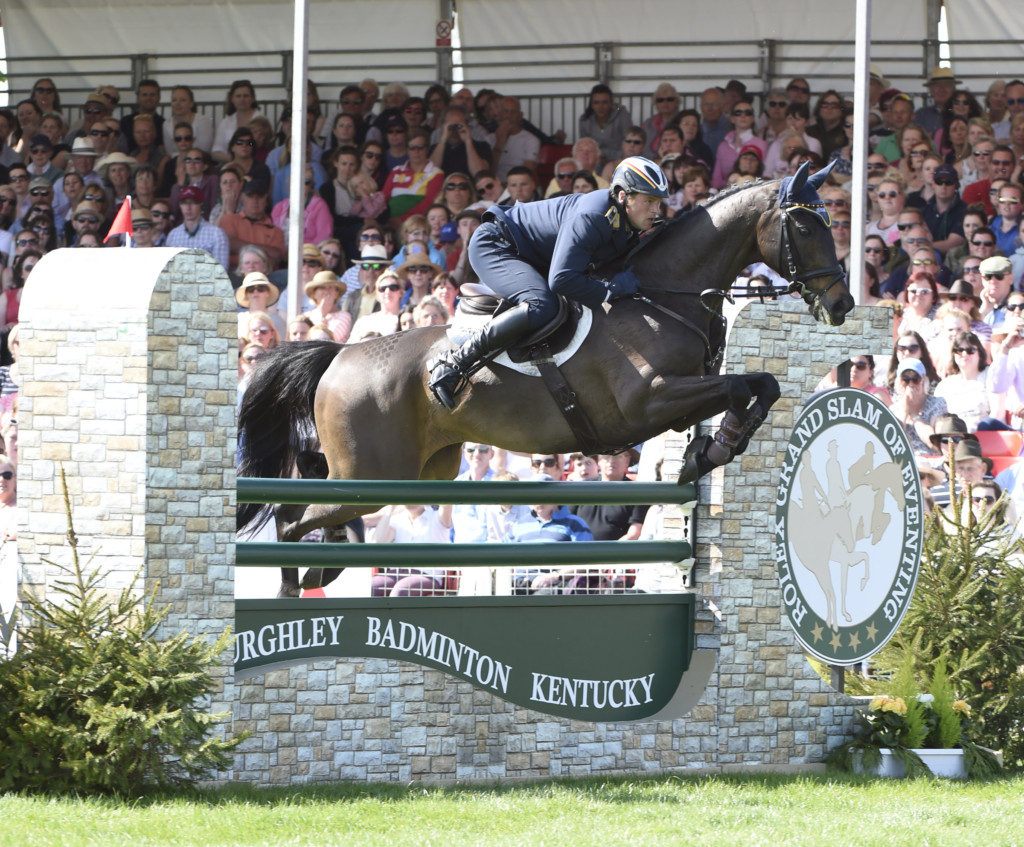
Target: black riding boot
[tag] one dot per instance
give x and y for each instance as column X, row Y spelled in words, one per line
column 449, row 370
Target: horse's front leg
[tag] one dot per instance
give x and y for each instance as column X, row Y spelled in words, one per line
column 686, row 401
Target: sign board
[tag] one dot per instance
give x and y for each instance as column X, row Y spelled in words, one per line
column 443, row 33
column 587, row 657
column 848, row 526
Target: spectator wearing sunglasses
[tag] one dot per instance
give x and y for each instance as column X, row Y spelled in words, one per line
column 194, row 174
column 40, row 162
column 197, row 127
column 388, row 289
column 240, row 107
column 1001, row 164
column 94, row 112
column 607, row 122
column 966, row 389
column 944, row 213
column 996, row 285
column 828, row 123
column 414, row 187
column 361, row 278
column 1006, row 223
column 890, row 194
column 742, row 135
column 974, row 219
column 914, row 407
column 243, row 149
column 666, row 105
column 898, row 113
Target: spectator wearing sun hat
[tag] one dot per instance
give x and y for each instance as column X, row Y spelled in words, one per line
column 258, row 294
column 360, row 279
column 941, row 86
column 326, row 291
column 418, row 272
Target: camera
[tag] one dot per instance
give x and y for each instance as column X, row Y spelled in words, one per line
column 455, row 127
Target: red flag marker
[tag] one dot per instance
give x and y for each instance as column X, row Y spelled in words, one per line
column 123, row 221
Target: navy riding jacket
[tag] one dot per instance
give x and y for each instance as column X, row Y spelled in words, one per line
column 563, row 236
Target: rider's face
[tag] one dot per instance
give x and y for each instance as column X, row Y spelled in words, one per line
column 641, row 209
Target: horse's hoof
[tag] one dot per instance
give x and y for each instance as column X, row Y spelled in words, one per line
column 695, row 461
column 288, row 589
column 313, row 578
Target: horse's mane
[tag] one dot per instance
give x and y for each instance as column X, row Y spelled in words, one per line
column 679, row 220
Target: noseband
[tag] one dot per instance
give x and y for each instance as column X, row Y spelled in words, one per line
column 788, row 257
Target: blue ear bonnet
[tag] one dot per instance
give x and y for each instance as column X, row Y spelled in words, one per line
column 801, row 191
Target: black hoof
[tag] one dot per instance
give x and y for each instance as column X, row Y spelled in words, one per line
column 313, row 578
column 695, row 460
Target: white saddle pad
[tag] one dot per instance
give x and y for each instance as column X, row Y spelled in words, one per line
column 465, row 325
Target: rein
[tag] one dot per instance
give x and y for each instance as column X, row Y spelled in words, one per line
column 787, row 258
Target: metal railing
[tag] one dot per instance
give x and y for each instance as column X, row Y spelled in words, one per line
column 552, row 80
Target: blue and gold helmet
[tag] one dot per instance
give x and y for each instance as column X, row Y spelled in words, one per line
column 637, row 175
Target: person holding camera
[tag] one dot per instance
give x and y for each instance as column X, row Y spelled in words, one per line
column 457, row 151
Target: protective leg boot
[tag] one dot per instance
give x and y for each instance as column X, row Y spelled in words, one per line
column 450, row 370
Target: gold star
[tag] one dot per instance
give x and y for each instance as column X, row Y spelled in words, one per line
column 816, row 631
column 854, row 640
column 836, row 641
column 872, row 631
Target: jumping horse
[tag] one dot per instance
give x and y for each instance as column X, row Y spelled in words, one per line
column 648, row 364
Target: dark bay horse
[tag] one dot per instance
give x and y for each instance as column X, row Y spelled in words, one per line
column 641, row 370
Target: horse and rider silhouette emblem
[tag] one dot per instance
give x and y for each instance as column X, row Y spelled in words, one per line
column 852, row 504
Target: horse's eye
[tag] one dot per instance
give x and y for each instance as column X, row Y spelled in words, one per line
column 803, row 230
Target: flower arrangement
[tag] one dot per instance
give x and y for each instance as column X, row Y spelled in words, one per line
column 907, row 721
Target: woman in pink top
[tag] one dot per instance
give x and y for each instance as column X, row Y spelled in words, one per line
column 326, row 291
column 317, row 223
column 742, row 135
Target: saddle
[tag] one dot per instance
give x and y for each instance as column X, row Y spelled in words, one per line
column 539, row 349
column 476, row 299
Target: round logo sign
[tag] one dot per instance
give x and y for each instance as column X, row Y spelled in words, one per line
column 848, row 526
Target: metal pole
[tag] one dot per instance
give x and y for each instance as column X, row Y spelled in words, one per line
column 858, row 185
column 296, row 193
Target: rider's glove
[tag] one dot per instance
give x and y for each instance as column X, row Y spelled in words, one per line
column 621, row 285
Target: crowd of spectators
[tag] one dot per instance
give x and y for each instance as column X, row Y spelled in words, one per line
column 396, row 181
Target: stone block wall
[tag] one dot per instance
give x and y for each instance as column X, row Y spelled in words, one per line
column 128, row 364
column 129, row 373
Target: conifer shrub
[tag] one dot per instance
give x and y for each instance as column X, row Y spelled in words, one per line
column 92, row 702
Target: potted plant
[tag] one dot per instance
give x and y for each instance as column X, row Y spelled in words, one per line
column 908, row 733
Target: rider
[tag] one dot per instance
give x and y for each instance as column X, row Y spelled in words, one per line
column 530, row 253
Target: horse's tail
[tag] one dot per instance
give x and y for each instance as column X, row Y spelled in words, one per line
column 276, row 414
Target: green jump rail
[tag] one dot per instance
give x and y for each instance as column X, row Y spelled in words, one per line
column 405, row 492
column 297, row 492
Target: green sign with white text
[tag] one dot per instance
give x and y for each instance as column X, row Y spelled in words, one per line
column 592, row 658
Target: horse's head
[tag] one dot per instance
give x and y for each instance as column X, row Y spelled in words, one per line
column 795, row 238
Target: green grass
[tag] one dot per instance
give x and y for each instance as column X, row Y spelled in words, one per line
column 740, row 810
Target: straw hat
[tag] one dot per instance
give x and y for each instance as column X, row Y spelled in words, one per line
column 417, row 260
column 373, row 253
column 115, row 158
column 253, row 279
column 942, row 75
column 83, row 147
column 325, row 279
column 310, row 251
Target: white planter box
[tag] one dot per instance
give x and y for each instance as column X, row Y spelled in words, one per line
column 944, row 763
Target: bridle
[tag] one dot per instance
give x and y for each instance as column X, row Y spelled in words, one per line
column 788, row 257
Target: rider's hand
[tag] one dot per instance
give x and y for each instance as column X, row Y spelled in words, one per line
column 623, row 284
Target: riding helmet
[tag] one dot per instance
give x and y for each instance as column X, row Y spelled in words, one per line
column 637, row 175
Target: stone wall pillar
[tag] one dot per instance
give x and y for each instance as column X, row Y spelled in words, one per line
column 128, row 373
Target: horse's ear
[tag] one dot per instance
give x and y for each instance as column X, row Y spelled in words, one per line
column 799, row 179
column 816, row 180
